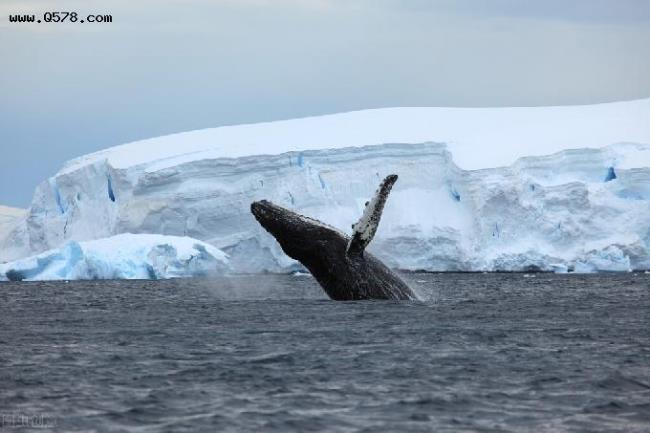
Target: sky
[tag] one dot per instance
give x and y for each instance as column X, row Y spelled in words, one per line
column 165, row 66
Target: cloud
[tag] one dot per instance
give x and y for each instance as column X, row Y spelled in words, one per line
column 587, row 11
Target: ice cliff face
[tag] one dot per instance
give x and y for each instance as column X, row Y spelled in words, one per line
column 577, row 209
column 584, row 209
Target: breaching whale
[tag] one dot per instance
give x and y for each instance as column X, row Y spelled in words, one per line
column 339, row 262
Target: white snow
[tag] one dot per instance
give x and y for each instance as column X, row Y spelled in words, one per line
column 124, row 256
column 477, row 137
column 12, row 236
column 9, row 218
column 8, row 213
column 551, row 188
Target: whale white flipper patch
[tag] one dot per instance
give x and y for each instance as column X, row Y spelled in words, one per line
column 364, row 230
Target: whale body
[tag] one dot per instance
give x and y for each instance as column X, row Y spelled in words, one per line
column 339, row 262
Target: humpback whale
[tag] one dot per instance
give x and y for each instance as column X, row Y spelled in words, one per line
column 340, row 263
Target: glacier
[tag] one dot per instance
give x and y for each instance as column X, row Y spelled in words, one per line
column 124, row 256
column 481, row 189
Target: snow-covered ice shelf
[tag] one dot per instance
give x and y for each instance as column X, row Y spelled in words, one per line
column 549, row 188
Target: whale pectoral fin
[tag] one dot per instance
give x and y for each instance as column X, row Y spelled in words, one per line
column 364, row 230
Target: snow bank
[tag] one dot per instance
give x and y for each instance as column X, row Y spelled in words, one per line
column 124, row 256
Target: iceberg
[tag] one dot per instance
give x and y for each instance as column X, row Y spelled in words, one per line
column 481, row 189
column 8, row 216
column 124, row 256
column 12, row 240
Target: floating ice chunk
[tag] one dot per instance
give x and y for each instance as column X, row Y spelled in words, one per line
column 125, row 256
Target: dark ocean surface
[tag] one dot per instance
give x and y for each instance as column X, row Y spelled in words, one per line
column 481, row 352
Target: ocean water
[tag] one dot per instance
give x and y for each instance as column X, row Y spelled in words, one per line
column 481, row 352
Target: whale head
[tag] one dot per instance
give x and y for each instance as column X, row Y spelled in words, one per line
column 298, row 235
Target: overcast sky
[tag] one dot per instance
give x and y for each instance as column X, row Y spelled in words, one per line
column 166, row 66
